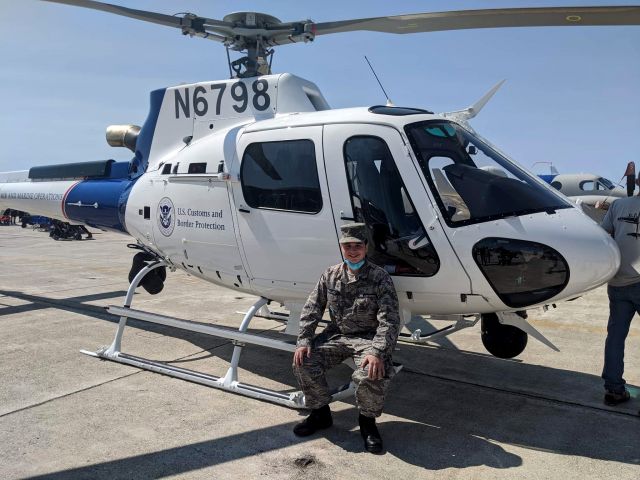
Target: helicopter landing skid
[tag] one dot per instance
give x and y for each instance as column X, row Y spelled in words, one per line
column 238, row 337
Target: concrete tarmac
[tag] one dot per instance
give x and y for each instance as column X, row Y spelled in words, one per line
column 454, row 412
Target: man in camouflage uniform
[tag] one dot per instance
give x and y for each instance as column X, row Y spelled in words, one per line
column 365, row 322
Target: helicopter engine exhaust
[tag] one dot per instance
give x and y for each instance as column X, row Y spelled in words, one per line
column 123, row 136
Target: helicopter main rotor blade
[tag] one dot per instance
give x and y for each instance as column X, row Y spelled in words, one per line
column 493, row 18
column 189, row 24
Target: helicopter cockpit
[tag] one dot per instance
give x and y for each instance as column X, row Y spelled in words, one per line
column 474, row 183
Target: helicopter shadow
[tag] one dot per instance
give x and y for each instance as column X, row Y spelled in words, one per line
column 70, row 304
column 442, row 421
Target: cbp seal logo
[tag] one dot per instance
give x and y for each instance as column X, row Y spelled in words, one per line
column 166, row 217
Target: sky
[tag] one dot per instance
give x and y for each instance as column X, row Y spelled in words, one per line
column 571, row 97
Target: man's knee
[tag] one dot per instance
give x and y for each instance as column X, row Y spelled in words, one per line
column 360, row 376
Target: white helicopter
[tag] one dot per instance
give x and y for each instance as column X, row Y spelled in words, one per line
column 245, row 183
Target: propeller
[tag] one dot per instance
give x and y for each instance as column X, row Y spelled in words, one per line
column 258, row 32
column 630, row 173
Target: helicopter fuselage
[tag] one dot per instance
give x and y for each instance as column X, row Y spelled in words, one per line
column 246, row 183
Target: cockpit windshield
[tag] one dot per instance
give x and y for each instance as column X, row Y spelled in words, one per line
column 473, row 182
column 607, row 183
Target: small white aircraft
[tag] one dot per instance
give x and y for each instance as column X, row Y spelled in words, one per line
column 245, row 183
column 593, row 193
column 585, row 185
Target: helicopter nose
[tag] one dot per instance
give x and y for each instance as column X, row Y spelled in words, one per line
column 593, row 259
column 564, row 255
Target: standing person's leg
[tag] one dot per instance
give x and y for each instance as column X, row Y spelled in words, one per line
column 621, row 310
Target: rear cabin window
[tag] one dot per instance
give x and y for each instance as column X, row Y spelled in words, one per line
column 281, row 176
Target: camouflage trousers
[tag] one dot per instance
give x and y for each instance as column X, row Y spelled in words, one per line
column 326, row 354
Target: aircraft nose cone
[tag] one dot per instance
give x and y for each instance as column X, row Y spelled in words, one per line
column 593, row 261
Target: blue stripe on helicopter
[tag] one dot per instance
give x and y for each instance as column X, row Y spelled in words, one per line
column 99, row 203
column 145, row 137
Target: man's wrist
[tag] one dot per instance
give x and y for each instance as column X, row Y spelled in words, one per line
column 374, row 351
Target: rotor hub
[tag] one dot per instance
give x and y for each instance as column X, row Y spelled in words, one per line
column 251, row 20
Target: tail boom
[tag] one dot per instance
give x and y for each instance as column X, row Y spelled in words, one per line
column 99, row 203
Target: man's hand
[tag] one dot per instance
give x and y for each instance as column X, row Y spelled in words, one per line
column 376, row 367
column 300, row 353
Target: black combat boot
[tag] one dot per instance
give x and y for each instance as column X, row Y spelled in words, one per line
column 320, row 418
column 370, row 434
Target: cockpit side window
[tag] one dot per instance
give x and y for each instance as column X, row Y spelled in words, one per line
column 472, row 181
column 588, row 186
column 398, row 241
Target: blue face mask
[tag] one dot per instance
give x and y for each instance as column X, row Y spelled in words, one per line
column 354, row 266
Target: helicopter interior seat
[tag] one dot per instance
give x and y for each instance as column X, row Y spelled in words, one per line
column 371, row 195
column 487, row 194
column 399, row 209
column 305, row 197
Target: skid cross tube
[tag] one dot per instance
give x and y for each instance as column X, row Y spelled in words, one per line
column 416, row 336
column 117, row 341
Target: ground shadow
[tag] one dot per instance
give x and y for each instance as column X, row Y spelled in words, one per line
column 447, row 419
column 446, row 449
column 70, row 304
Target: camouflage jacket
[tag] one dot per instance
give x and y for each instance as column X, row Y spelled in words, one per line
column 365, row 307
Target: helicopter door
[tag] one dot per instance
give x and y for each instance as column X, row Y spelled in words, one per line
column 284, row 214
column 373, row 180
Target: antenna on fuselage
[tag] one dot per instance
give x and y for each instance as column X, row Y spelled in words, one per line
column 389, row 102
column 470, row 112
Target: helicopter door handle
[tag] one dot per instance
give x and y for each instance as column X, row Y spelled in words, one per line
column 244, row 210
